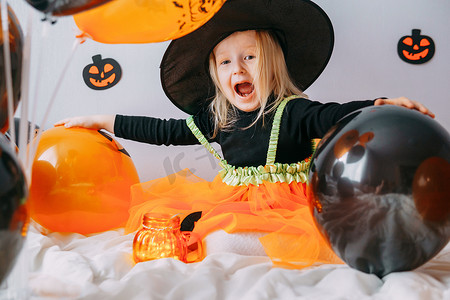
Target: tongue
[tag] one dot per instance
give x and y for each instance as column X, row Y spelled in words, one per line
column 245, row 88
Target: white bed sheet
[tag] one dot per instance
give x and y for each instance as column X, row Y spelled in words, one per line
column 100, row 266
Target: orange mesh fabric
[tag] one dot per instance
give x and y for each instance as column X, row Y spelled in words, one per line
column 280, row 209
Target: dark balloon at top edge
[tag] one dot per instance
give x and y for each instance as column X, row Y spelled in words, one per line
column 65, row 7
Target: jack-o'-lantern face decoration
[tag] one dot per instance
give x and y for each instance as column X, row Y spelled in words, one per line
column 415, row 48
column 102, row 73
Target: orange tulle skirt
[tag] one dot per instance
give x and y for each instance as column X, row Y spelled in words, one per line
column 280, row 209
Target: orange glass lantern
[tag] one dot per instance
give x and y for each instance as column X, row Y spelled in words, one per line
column 160, row 237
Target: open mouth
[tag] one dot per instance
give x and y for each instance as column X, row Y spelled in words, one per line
column 415, row 56
column 244, row 89
column 103, row 82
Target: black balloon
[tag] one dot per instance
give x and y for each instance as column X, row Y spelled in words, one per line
column 379, row 189
column 65, row 7
column 16, row 48
column 13, row 213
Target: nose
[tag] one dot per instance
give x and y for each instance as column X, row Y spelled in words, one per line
column 238, row 68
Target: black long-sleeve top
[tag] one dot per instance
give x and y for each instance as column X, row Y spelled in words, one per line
column 302, row 121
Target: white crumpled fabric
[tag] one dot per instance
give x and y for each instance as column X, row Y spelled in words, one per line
column 73, row 266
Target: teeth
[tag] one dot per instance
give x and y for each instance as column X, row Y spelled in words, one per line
column 246, row 91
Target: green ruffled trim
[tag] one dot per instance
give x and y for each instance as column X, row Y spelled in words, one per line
column 272, row 172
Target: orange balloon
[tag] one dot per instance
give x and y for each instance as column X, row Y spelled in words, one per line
column 145, row 21
column 80, row 182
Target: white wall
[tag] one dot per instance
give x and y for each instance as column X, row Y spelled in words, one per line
column 364, row 65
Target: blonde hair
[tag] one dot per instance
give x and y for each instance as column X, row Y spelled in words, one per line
column 270, row 60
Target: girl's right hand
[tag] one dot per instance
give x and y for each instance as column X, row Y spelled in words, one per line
column 91, row 122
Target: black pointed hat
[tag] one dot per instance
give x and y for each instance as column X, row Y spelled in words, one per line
column 303, row 30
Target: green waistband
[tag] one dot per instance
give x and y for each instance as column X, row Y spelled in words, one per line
column 277, row 172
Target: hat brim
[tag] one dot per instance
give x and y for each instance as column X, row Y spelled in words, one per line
column 307, row 38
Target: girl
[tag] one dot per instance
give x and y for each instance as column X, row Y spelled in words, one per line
column 241, row 77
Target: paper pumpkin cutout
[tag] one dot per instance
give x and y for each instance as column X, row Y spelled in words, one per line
column 102, row 74
column 415, row 48
column 149, row 21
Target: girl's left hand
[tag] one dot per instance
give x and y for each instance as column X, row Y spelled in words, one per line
column 408, row 103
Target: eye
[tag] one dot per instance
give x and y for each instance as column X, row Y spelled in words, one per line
column 94, row 70
column 249, row 57
column 424, row 42
column 408, row 41
column 225, row 62
column 108, row 67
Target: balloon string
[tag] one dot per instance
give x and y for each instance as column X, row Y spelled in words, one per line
column 29, row 161
column 7, row 61
column 52, row 99
column 24, row 134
